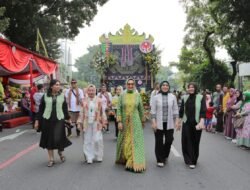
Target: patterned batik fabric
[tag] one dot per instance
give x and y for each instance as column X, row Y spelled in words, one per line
column 243, row 134
column 130, row 142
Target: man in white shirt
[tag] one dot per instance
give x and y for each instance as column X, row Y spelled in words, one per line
column 74, row 98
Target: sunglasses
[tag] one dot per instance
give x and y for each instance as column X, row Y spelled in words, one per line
column 73, row 82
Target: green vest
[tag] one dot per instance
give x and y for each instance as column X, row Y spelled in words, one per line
column 197, row 107
column 48, row 106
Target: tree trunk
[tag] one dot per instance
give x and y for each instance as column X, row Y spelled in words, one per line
column 233, row 64
column 207, row 48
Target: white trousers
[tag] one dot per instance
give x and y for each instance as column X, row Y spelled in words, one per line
column 93, row 143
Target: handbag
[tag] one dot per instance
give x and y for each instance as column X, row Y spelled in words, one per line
column 214, row 120
column 239, row 122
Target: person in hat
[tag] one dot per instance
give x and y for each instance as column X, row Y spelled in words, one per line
column 74, row 98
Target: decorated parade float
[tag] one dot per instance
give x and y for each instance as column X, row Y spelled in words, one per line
column 128, row 54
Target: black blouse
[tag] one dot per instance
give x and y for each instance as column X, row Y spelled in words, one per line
column 190, row 109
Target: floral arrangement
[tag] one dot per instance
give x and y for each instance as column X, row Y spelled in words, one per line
column 145, row 101
column 15, row 93
column 152, row 60
column 145, row 98
column 102, row 62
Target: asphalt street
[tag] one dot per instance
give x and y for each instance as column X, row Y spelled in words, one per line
column 23, row 166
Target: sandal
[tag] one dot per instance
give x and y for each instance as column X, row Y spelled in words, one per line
column 51, row 163
column 61, row 156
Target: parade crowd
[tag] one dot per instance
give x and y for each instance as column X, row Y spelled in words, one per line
column 56, row 111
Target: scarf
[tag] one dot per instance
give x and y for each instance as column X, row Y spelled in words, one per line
column 76, row 96
column 97, row 111
column 130, row 91
column 164, row 93
column 246, row 100
column 232, row 98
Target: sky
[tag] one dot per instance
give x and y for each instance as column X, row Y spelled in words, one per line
column 163, row 19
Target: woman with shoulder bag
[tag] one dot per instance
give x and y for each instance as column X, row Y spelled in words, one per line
column 193, row 113
column 52, row 114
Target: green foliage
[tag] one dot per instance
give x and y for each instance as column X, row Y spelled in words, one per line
column 165, row 73
column 233, row 23
column 145, row 97
column 211, row 24
column 102, row 62
column 199, row 23
column 82, row 84
column 207, row 75
column 190, row 57
column 4, row 22
column 153, row 60
column 55, row 19
column 86, row 70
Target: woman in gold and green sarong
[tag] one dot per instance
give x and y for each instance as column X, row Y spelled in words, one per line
column 130, row 142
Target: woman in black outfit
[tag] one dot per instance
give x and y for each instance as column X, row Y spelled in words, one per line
column 53, row 111
column 193, row 113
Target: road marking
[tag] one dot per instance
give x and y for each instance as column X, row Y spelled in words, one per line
column 17, row 156
column 175, row 152
column 13, row 136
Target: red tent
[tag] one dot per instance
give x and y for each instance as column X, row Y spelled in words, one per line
column 21, row 65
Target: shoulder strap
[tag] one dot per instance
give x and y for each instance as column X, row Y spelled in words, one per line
column 74, row 93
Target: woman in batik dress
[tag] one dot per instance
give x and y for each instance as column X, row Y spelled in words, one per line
column 130, row 142
column 243, row 134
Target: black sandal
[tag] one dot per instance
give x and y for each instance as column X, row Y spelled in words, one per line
column 61, row 156
column 51, row 163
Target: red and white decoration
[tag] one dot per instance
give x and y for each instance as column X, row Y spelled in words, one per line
column 23, row 66
column 146, row 47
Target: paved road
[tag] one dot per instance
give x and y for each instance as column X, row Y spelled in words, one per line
column 23, row 166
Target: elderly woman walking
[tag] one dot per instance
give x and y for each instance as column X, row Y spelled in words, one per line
column 165, row 114
column 90, row 123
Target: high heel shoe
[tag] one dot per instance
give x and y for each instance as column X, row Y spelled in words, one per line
column 62, row 158
column 51, row 163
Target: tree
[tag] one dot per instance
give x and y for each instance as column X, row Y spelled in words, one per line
column 197, row 58
column 4, row 22
column 86, row 71
column 207, row 75
column 165, row 73
column 55, row 19
column 201, row 28
column 188, row 58
column 232, row 18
